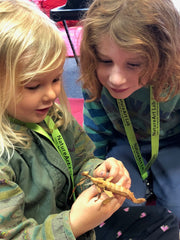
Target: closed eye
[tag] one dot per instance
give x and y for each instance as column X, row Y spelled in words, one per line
column 134, row 65
column 33, row 87
column 104, row 60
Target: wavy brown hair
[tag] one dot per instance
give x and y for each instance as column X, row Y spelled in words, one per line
column 150, row 28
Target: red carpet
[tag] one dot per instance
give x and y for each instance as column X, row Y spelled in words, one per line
column 76, row 105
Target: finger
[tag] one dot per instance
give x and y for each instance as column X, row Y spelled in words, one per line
column 120, row 199
column 110, row 167
column 111, row 203
column 125, row 180
column 117, row 171
column 90, row 192
column 104, row 203
column 100, row 171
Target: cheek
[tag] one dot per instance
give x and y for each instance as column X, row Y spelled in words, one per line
column 11, row 110
column 12, row 107
column 102, row 75
column 59, row 89
column 27, row 102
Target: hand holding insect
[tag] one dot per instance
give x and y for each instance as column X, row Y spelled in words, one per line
column 88, row 211
column 105, row 185
column 113, row 179
column 112, row 167
column 94, row 205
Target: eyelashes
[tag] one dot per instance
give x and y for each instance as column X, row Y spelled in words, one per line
column 34, row 87
column 128, row 64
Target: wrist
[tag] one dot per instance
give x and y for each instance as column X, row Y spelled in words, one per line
column 76, row 228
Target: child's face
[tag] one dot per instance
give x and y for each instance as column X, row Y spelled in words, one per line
column 118, row 70
column 37, row 97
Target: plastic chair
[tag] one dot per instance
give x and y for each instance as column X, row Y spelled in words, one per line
column 72, row 10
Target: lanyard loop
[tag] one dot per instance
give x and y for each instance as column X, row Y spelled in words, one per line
column 57, row 141
column 155, row 130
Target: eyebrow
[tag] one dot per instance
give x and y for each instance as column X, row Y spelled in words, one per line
column 100, row 55
column 135, row 58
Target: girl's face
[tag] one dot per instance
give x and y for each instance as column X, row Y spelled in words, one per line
column 37, row 97
column 118, row 70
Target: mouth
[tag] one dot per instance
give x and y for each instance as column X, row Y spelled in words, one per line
column 119, row 90
column 43, row 111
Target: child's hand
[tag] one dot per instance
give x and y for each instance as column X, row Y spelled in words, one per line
column 114, row 168
column 87, row 212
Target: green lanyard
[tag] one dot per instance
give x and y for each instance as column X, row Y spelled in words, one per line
column 155, row 129
column 58, row 142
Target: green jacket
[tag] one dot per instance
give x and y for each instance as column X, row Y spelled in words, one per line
column 35, row 187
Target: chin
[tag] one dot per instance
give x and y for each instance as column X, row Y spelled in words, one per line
column 120, row 95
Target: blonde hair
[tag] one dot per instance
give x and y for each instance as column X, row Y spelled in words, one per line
column 30, row 45
column 148, row 27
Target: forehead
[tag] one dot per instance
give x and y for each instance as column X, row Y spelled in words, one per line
column 108, row 47
column 46, row 76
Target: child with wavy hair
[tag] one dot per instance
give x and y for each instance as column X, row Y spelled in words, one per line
column 43, row 150
column 130, row 74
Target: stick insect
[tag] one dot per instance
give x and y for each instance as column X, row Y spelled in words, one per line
column 105, row 185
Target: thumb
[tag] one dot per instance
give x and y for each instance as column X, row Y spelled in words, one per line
column 90, row 192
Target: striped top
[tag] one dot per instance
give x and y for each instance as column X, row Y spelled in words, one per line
column 102, row 120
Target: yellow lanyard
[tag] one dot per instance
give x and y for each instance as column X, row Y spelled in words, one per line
column 57, row 141
column 155, row 129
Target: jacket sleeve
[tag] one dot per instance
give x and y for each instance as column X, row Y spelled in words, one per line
column 14, row 225
column 97, row 125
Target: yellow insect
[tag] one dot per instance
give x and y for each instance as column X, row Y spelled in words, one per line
column 105, row 185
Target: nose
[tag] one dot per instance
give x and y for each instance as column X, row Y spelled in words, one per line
column 50, row 94
column 117, row 77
